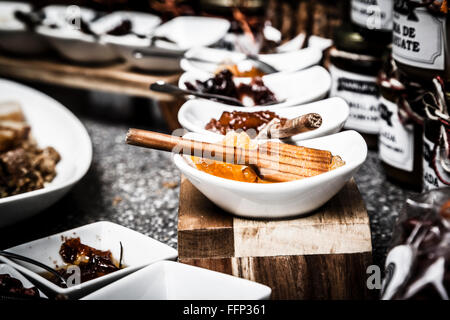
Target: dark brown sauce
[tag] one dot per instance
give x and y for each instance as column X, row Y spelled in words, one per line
column 13, row 287
column 93, row 263
column 232, row 121
column 122, row 29
column 222, row 83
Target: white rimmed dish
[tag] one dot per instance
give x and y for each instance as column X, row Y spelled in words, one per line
column 51, row 125
column 7, row 269
column 61, row 30
column 286, row 61
column 184, row 32
column 292, row 88
column 196, row 113
column 279, row 200
column 168, row 280
column 138, row 251
column 14, row 35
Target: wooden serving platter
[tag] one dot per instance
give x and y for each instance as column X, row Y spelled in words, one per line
column 320, row 256
column 116, row 77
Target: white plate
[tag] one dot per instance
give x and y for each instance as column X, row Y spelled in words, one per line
column 294, row 87
column 14, row 36
column 278, row 200
column 68, row 40
column 6, row 269
column 51, row 125
column 138, row 252
column 186, row 32
column 195, row 114
column 168, row 280
column 286, row 61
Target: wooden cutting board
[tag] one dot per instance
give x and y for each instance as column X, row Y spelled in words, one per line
column 320, row 256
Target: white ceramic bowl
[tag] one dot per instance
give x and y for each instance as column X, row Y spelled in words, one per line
column 51, row 125
column 7, row 269
column 195, row 114
column 68, row 40
column 138, row 252
column 286, row 61
column 293, row 88
column 277, row 200
column 168, row 280
column 64, row 16
column 185, row 32
column 14, row 36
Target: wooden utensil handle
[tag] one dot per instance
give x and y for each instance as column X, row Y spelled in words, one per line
column 174, row 144
column 272, row 160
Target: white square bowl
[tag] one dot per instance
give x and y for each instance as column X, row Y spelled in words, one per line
column 138, row 252
column 195, row 114
column 168, row 280
column 291, row 88
column 6, row 269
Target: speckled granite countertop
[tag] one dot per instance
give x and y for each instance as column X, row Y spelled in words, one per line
column 138, row 188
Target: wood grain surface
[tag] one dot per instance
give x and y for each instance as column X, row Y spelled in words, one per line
column 320, row 256
column 118, row 77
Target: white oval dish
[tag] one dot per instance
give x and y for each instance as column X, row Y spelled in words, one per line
column 7, row 269
column 196, row 113
column 167, row 280
column 51, row 125
column 188, row 32
column 294, row 88
column 14, row 36
column 138, row 251
column 185, row 32
column 286, row 61
column 279, row 200
column 68, row 40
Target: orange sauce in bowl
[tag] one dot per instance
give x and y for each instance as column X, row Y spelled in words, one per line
column 236, row 172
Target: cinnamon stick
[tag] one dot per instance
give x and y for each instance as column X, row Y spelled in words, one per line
column 291, row 127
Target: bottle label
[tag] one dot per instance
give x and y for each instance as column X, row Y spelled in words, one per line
column 418, row 37
column 361, row 94
column 396, row 142
column 372, row 14
column 431, row 165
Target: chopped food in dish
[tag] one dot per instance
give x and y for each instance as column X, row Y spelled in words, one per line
column 23, row 165
column 12, row 287
column 250, row 94
column 308, row 162
column 93, row 263
column 240, row 120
